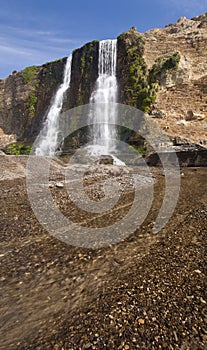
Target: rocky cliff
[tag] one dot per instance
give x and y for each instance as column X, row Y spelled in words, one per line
column 181, row 103
column 84, row 72
column 162, row 72
column 25, row 97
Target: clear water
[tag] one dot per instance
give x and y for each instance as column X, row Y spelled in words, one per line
column 49, row 135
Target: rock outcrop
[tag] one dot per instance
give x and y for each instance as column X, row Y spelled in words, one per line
column 25, row 97
column 84, row 74
column 181, row 101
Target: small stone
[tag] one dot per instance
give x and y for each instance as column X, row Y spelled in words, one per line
column 141, row 321
column 175, row 335
column 189, row 115
column 59, row 184
column 126, row 347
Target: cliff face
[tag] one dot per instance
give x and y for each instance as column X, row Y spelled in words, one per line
column 162, row 72
column 84, row 74
column 131, row 68
column 25, row 97
column 181, row 102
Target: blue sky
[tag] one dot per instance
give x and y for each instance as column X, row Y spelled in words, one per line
column 33, row 32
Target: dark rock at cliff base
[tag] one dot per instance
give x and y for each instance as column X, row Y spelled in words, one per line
column 188, row 156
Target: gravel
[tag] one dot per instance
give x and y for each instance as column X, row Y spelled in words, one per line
column 146, row 292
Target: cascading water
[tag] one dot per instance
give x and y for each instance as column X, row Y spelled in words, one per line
column 49, row 136
column 104, row 97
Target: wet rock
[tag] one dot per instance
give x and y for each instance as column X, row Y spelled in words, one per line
column 106, row 159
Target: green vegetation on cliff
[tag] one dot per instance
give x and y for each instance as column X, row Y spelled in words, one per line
column 135, row 90
column 162, row 65
column 18, row 149
column 31, row 103
column 30, row 75
column 138, row 86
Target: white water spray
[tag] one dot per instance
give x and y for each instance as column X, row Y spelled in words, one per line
column 104, row 97
column 49, row 135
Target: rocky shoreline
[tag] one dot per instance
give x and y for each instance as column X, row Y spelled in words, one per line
column 145, row 292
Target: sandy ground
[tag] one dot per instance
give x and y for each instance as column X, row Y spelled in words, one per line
column 145, row 292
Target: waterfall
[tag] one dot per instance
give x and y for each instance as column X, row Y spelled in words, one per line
column 49, row 135
column 104, row 97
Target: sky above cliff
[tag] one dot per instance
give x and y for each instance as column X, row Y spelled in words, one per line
column 34, row 32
